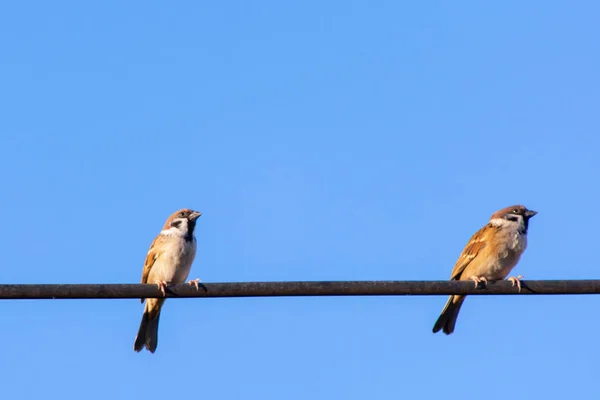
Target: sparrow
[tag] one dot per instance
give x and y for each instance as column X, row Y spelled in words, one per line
column 491, row 254
column 169, row 260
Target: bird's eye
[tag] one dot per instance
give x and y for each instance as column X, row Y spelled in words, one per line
column 182, row 214
column 515, row 211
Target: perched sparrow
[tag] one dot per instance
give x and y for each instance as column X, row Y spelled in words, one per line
column 168, row 261
column 491, row 254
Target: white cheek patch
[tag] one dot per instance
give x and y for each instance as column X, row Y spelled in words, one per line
column 170, row 232
column 514, row 222
column 179, row 230
column 501, row 222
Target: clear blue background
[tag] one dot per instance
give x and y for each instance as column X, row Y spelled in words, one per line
column 322, row 141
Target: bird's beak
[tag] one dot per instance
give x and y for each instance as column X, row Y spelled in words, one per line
column 194, row 216
column 529, row 213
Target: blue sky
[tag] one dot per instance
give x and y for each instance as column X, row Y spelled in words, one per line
column 322, row 141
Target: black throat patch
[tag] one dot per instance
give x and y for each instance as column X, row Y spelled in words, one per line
column 523, row 228
column 190, row 232
column 521, row 219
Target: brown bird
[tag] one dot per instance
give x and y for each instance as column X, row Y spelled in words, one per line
column 491, row 254
column 169, row 260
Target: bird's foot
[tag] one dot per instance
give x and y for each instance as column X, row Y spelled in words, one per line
column 162, row 285
column 478, row 280
column 195, row 282
column 516, row 280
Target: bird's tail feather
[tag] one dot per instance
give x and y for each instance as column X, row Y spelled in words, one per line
column 447, row 319
column 148, row 332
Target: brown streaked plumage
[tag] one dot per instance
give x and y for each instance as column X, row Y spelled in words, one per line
column 169, row 260
column 491, row 253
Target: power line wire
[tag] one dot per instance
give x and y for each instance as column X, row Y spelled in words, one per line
column 302, row 288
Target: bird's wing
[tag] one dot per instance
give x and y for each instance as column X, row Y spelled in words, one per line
column 151, row 257
column 472, row 249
